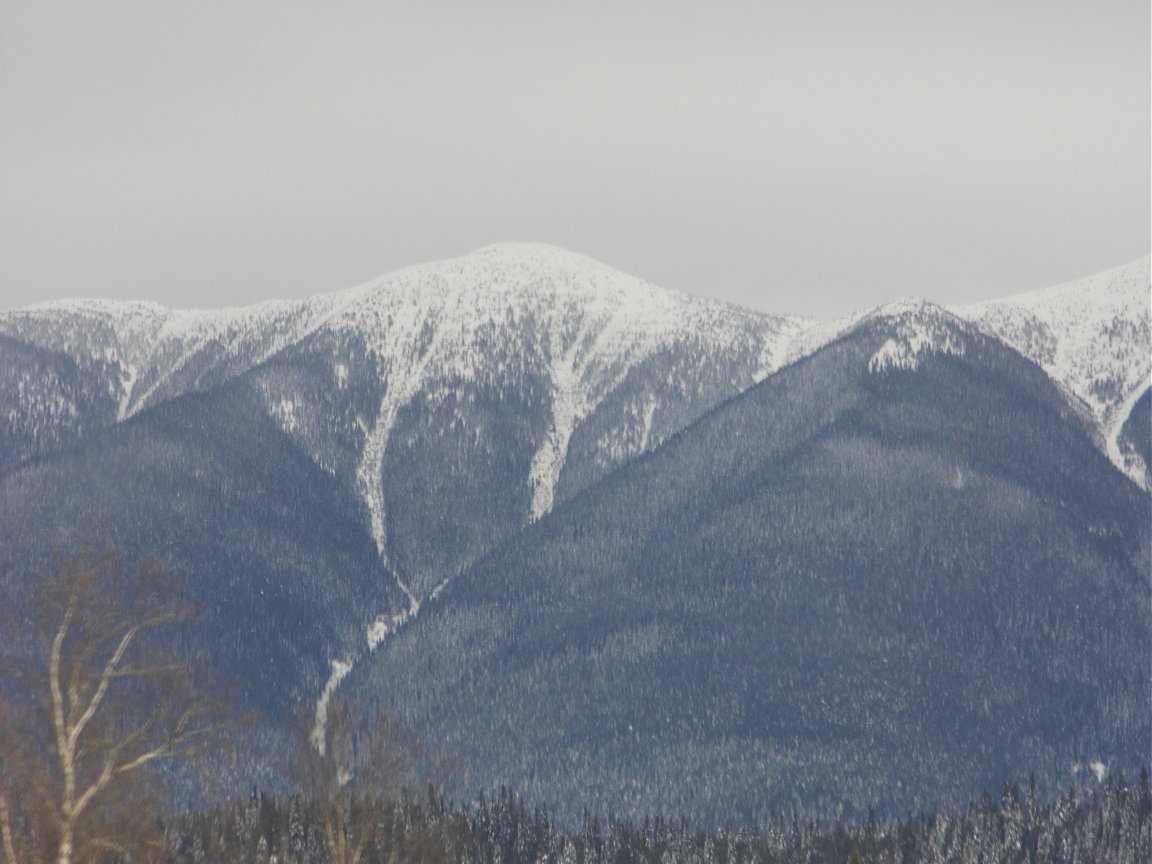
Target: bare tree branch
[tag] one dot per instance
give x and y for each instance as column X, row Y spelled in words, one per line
column 9, row 844
column 360, row 760
column 101, row 688
column 116, row 699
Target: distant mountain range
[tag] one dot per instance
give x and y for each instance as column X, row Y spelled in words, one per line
column 623, row 547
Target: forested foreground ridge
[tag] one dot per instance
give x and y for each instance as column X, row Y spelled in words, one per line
column 1113, row 824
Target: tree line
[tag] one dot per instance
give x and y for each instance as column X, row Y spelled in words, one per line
column 103, row 717
column 1113, row 825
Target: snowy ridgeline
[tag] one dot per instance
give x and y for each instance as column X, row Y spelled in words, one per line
column 519, row 315
column 532, row 319
column 416, row 423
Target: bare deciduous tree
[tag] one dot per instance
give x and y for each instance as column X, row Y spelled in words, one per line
column 99, row 696
column 349, row 766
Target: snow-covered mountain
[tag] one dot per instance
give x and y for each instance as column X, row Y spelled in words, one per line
column 589, row 367
column 506, row 381
column 462, row 440
column 555, row 328
column 892, row 571
column 585, row 321
column 1093, row 337
column 1091, row 334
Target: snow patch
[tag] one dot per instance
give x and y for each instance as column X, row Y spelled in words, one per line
column 385, row 625
column 1090, row 336
column 369, row 472
column 568, row 407
column 340, row 669
column 128, row 376
column 781, row 346
column 1128, row 463
column 916, row 336
column 284, row 412
column 646, row 431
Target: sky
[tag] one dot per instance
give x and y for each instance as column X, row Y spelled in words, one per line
column 798, row 157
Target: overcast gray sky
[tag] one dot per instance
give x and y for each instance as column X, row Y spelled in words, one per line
column 807, row 157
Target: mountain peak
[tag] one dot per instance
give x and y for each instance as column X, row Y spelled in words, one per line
column 502, row 263
column 902, row 306
column 498, row 284
column 917, row 328
column 543, row 253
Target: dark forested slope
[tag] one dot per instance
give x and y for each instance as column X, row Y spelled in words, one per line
column 892, row 574
column 273, row 552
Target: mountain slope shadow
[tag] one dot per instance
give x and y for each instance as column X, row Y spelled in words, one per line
column 269, row 547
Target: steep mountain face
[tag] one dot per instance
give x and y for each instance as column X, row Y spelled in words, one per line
column 1092, row 336
column 444, row 407
column 47, row 402
column 498, row 385
column 664, row 551
column 1135, row 439
column 892, row 595
column 491, row 386
column 268, row 546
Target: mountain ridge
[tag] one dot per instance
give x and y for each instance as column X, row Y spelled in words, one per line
column 429, row 446
column 775, row 511
column 578, row 325
column 562, row 330
column 1092, row 335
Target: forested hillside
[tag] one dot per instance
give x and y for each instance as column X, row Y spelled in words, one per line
column 617, row 548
